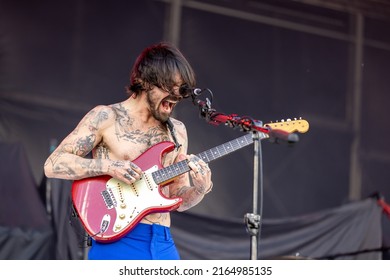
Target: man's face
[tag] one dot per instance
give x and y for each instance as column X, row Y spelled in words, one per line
column 162, row 102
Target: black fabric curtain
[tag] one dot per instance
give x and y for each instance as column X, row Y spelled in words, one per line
column 70, row 237
column 341, row 233
column 25, row 229
column 26, row 244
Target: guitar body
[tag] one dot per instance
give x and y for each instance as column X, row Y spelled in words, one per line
column 109, row 208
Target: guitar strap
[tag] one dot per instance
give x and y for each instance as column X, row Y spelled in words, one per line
column 173, row 133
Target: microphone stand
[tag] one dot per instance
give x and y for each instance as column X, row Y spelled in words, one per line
column 252, row 220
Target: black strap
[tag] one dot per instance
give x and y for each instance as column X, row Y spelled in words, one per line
column 173, row 133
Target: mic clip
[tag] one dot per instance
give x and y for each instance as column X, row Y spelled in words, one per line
column 278, row 136
column 205, row 109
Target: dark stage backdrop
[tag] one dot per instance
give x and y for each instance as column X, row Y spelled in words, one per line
column 59, row 59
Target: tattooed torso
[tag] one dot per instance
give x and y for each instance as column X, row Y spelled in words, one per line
column 125, row 138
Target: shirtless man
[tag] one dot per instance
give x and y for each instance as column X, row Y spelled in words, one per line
column 117, row 134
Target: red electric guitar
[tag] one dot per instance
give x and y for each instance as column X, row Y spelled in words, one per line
column 109, row 208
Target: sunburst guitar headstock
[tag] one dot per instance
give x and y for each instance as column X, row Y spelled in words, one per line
column 290, row 125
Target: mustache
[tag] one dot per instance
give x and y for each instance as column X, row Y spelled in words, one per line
column 173, row 98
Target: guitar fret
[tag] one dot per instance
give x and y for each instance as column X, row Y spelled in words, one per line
column 229, row 147
column 170, row 170
column 204, row 157
column 209, row 155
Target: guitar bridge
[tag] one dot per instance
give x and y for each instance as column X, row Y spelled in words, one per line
column 109, row 198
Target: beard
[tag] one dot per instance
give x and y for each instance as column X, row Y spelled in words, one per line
column 154, row 105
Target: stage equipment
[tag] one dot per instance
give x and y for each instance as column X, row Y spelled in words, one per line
column 279, row 132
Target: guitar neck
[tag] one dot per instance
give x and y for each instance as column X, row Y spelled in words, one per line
column 226, row 148
column 168, row 173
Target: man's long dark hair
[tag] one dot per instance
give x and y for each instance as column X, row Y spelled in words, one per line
column 158, row 65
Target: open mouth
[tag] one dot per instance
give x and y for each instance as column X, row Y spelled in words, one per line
column 168, row 104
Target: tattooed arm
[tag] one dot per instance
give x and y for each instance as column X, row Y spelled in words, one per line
column 68, row 160
column 199, row 175
column 194, row 194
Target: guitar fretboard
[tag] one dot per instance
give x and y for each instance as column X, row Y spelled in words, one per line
column 174, row 170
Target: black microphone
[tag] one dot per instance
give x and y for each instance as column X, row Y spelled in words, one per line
column 279, row 136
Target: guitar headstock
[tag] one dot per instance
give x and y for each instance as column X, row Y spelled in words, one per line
column 289, row 125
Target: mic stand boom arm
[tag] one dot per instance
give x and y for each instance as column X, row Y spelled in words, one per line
column 246, row 123
column 233, row 120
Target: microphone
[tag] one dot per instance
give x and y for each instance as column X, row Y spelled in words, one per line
column 279, row 136
column 187, row 91
column 196, row 91
column 203, row 105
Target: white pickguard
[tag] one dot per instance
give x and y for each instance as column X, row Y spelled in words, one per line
column 130, row 201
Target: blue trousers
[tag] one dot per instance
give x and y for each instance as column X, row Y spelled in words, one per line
column 143, row 242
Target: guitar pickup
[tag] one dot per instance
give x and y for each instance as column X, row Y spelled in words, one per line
column 109, row 198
